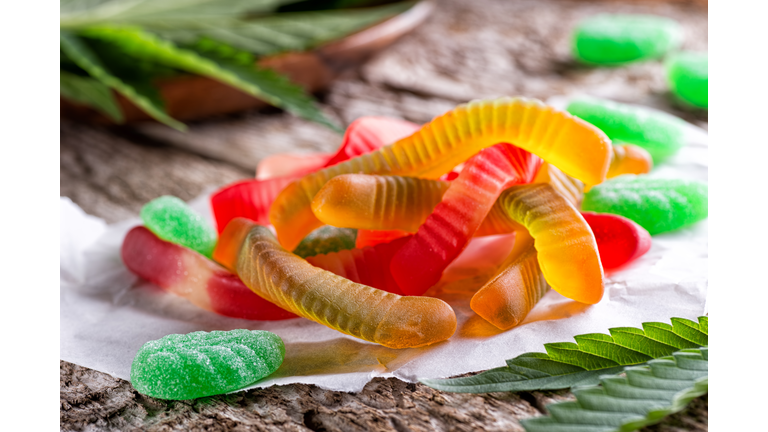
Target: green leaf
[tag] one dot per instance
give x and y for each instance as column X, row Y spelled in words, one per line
column 262, row 83
column 90, row 92
column 570, row 364
column 140, row 93
column 83, row 13
column 272, row 34
column 644, row 396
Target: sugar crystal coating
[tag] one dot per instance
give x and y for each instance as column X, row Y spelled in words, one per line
column 658, row 205
column 173, row 220
column 201, row 364
column 660, row 134
column 688, row 76
column 617, row 39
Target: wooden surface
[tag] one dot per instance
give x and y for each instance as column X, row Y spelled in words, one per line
column 466, row 50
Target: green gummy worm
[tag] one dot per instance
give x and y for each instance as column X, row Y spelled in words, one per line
column 609, row 39
column 326, row 239
column 173, row 220
column 201, row 364
column 658, row 205
column 688, row 76
column 662, row 135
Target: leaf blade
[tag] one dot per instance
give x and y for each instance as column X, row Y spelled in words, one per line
column 90, row 92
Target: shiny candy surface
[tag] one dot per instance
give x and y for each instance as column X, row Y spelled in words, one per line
column 198, row 364
column 658, row 205
column 629, row 159
column 574, row 146
column 352, row 308
column 186, row 273
column 619, row 240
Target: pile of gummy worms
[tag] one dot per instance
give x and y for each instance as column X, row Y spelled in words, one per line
column 417, row 196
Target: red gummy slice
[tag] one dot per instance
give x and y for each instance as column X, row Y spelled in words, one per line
column 176, row 268
column 441, row 238
column 374, row 237
column 251, row 199
column 619, row 240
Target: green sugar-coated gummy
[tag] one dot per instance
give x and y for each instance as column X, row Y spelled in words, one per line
column 204, row 364
column 173, row 220
column 662, row 135
column 688, row 76
column 617, row 39
column 658, row 205
column 326, row 239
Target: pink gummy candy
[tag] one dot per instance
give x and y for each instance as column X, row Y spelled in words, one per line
column 188, row 274
column 619, row 240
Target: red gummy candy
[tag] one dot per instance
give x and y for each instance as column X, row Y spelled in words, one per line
column 619, row 240
column 186, row 273
column 251, row 199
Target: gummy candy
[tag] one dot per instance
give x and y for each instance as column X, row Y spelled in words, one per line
column 614, row 39
column 358, row 310
column 662, row 135
column 629, row 159
column 367, row 266
column 377, row 202
column 326, row 239
column 252, row 198
column 569, row 187
column 574, row 146
column 658, row 205
column 566, row 247
column 173, row 220
column 619, row 240
column 688, row 76
column 514, row 290
column 198, row 364
column 374, row 237
column 188, row 274
column 420, row 263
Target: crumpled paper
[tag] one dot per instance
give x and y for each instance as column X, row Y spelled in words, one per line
column 107, row 313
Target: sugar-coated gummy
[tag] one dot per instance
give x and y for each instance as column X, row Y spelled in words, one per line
column 658, row 205
column 576, row 147
column 615, row 39
column 173, row 220
column 326, row 239
column 200, row 364
column 662, row 135
column 688, row 76
column 358, row 310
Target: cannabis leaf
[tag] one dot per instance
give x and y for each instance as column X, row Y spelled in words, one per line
column 261, row 83
column 90, row 92
column 644, row 396
column 140, row 93
column 569, row 364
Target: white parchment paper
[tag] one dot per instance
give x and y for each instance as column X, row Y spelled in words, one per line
column 107, row 313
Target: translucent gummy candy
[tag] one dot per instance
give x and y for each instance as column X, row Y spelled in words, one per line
column 617, row 39
column 688, row 76
column 662, row 135
column 201, row 364
column 658, row 205
column 326, row 239
column 619, row 240
column 173, row 220
column 358, row 310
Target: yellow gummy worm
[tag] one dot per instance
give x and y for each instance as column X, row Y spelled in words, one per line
column 377, row 202
column 514, row 290
column 352, row 308
column 578, row 148
column 629, row 159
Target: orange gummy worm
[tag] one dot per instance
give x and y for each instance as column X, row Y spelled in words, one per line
column 578, row 148
column 319, row 295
